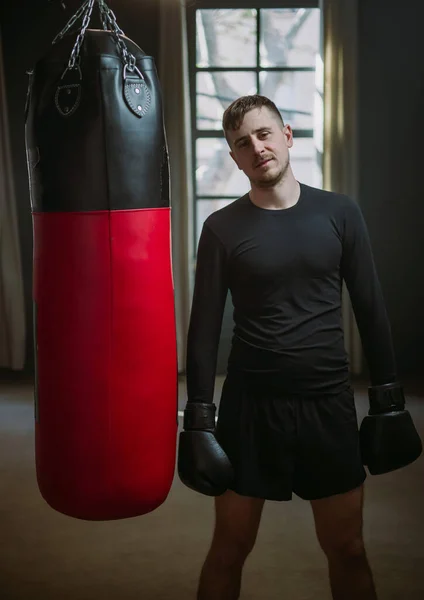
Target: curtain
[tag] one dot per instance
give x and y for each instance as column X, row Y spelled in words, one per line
column 12, row 304
column 340, row 106
column 174, row 78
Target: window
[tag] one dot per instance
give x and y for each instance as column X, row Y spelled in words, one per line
column 241, row 47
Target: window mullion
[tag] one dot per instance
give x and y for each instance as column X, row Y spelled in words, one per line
column 258, row 48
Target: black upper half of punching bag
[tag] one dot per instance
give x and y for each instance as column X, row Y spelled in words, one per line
column 95, row 136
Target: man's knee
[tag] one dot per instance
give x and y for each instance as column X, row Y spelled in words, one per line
column 345, row 550
column 229, row 552
column 236, row 528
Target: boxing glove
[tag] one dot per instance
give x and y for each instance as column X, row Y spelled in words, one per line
column 388, row 437
column 203, row 465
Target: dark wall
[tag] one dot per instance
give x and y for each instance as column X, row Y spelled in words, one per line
column 391, row 94
column 28, row 28
column 391, row 129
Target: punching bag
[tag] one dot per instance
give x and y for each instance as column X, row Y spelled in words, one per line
column 104, row 320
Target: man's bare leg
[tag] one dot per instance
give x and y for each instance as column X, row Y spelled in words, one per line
column 237, row 521
column 339, row 522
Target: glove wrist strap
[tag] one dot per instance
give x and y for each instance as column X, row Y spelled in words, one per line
column 199, row 415
column 386, row 398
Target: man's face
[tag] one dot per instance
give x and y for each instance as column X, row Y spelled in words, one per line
column 260, row 147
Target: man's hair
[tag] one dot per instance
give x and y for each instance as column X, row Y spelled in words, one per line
column 234, row 114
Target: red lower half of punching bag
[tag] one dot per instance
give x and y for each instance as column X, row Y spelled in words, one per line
column 106, row 388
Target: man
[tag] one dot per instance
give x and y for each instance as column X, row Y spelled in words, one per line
column 287, row 419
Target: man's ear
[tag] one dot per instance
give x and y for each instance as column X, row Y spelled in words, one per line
column 288, row 132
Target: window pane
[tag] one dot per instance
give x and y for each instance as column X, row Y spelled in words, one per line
column 305, row 162
column 226, row 38
column 294, row 95
column 289, row 37
column 216, row 91
column 204, row 208
column 216, row 172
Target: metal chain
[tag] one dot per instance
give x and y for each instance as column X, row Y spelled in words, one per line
column 109, row 23
column 103, row 15
column 75, row 54
column 71, row 22
column 108, row 16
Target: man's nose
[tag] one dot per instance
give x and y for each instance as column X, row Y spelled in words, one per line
column 258, row 146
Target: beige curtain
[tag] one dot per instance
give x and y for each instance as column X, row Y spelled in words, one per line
column 174, row 78
column 339, row 58
column 12, row 310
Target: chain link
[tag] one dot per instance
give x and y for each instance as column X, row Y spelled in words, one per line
column 75, row 54
column 108, row 17
column 109, row 23
column 103, row 15
column 71, row 22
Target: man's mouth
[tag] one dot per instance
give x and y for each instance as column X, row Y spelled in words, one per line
column 263, row 163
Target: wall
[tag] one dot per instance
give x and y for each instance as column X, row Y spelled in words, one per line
column 391, row 93
column 391, row 123
column 28, row 28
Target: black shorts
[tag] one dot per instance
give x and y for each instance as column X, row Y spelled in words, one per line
column 279, row 445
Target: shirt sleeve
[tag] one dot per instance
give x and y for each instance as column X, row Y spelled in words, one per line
column 360, row 274
column 210, row 292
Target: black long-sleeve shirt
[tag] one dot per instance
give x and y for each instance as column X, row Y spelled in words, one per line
column 285, row 269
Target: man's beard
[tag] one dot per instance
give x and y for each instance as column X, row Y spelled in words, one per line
column 267, row 181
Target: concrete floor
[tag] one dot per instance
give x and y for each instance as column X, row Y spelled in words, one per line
column 47, row 556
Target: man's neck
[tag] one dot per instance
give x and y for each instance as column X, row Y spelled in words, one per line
column 284, row 195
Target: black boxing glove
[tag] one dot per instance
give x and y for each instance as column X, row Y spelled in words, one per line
column 388, row 436
column 203, row 465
